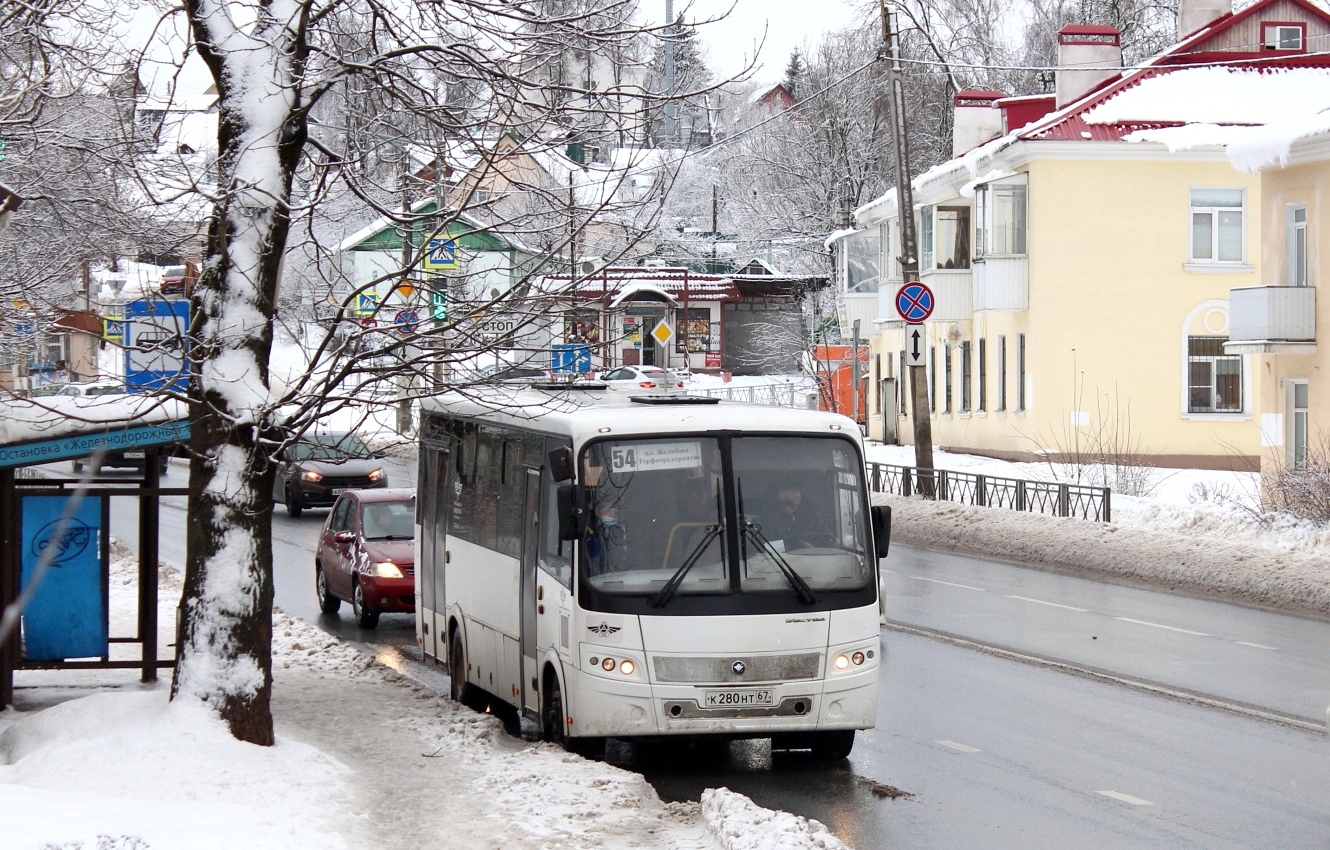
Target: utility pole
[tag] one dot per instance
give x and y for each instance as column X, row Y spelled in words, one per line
column 923, row 426
column 671, row 105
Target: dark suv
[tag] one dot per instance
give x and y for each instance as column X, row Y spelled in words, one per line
column 318, row 468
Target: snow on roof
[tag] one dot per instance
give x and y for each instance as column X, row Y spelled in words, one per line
column 1255, row 148
column 672, row 282
column 837, row 235
column 58, row 417
column 1216, row 95
column 630, row 291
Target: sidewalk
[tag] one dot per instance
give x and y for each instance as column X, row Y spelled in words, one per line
column 365, row 758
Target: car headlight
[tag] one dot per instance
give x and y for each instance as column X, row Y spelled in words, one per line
column 377, row 475
column 385, row 569
column 311, row 475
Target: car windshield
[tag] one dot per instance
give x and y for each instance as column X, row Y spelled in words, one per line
column 388, row 520
column 104, row 391
column 659, row 517
column 331, row 447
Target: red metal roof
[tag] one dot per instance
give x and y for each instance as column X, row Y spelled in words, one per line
column 1068, row 124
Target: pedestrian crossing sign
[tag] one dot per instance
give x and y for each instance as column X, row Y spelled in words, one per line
column 441, row 254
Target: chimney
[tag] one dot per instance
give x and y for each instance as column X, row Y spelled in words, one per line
column 1195, row 14
column 976, row 119
column 1088, row 54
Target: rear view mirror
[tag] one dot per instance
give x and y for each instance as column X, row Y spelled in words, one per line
column 344, row 537
column 561, row 464
column 572, row 514
column 881, row 529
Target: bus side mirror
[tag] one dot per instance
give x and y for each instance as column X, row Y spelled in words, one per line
column 561, row 464
column 881, row 529
column 572, row 515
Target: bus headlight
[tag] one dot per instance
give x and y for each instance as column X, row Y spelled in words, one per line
column 607, row 665
column 842, row 662
column 627, row 667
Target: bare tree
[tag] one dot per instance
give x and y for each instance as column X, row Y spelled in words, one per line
column 474, row 85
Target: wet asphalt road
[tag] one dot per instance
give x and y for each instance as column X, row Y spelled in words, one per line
column 1018, row 709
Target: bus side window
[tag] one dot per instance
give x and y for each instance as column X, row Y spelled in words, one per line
column 555, row 554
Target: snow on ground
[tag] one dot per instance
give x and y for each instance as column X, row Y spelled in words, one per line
column 364, row 758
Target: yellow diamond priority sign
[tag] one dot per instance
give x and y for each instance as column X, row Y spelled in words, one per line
column 663, row 332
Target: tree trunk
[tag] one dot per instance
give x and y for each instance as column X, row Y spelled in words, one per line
column 225, row 652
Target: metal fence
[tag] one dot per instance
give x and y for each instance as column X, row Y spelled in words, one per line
column 1040, row 497
column 775, row 395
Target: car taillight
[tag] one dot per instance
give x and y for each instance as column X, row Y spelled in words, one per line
column 646, row 385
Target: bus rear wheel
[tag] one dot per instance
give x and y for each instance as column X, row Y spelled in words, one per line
column 554, row 726
column 459, row 688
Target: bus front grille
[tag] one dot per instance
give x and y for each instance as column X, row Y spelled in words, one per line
column 696, row 670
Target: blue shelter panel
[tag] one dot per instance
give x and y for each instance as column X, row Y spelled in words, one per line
column 67, row 616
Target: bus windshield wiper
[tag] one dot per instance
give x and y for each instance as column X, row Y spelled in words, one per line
column 752, row 531
column 667, row 592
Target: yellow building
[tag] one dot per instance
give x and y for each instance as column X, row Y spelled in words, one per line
column 1081, row 268
column 1278, row 323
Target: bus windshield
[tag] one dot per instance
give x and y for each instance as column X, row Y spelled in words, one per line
column 666, row 519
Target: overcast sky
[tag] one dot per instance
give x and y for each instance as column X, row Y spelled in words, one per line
column 787, row 23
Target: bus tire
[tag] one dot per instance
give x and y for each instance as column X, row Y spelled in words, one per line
column 459, row 688
column 554, row 726
column 833, row 746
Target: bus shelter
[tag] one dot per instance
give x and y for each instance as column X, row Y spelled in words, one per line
column 65, row 615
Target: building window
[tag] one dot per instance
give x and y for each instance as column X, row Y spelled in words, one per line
column 965, row 376
column 926, row 237
column 1020, row 372
column 1001, row 220
column 946, row 377
column 863, row 254
column 932, row 380
column 1216, row 225
column 1297, row 443
column 904, row 390
column 983, row 375
column 1288, row 38
column 1002, row 374
column 1295, row 245
column 1214, row 377
column 952, row 238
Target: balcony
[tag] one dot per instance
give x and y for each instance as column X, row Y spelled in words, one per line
column 1002, row 283
column 1272, row 320
column 953, row 294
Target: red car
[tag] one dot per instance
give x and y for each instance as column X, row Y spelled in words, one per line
column 366, row 554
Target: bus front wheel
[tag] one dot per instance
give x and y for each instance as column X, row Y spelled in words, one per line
column 554, row 726
column 833, row 746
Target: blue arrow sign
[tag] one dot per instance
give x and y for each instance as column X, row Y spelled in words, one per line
column 914, row 302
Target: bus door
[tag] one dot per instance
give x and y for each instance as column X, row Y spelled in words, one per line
column 527, row 592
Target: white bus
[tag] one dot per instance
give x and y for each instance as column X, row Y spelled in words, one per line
column 625, row 567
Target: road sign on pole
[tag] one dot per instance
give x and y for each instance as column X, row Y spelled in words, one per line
column 914, row 302
column 916, row 345
column 441, row 254
column 406, row 321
